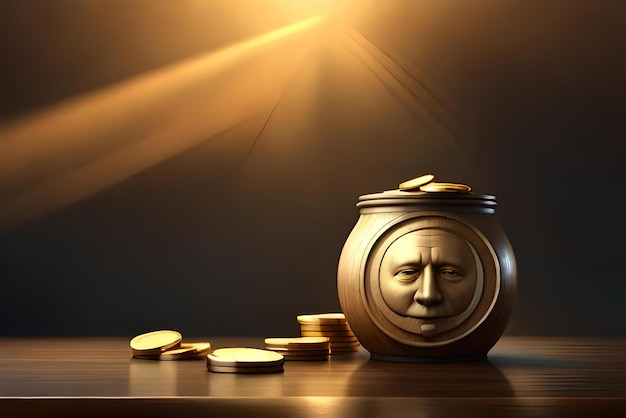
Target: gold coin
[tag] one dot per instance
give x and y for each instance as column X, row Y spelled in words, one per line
column 244, row 357
column 345, row 350
column 178, row 354
column 343, row 344
column 416, row 182
column 248, row 370
column 306, row 342
column 446, row 187
column 289, row 352
column 342, row 340
column 324, row 318
column 155, row 342
column 186, row 351
column 200, row 348
column 325, row 327
column 174, row 354
column 329, row 334
column 318, row 357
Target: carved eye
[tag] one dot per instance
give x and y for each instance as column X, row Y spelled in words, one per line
column 407, row 275
column 451, row 274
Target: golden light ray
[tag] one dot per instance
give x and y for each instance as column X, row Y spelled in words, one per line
column 410, row 88
column 79, row 147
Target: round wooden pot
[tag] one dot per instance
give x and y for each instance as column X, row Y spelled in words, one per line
column 427, row 276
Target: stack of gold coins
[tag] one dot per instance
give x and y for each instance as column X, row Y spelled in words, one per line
column 425, row 184
column 300, row 348
column 244, row 360
column 167, row 345
column 333, row 326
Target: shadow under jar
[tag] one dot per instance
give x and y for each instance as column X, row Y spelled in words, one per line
column 427, row 276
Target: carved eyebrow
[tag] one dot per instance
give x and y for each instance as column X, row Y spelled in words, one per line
column 402, row 260
column 452, row 258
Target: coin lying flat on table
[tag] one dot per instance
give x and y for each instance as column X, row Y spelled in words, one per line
column 245, row 370
column 446, row 187
column 244, row 357
column 244, row 360
column 416, row 182
column 155, row 342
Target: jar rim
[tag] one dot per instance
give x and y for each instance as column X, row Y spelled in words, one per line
column 404, row 198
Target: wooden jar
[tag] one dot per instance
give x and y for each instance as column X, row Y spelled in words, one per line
column 427, row 276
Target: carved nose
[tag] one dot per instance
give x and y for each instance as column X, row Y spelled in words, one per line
column 427, row 294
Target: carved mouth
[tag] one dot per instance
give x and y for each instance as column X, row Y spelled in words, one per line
column 423, row 312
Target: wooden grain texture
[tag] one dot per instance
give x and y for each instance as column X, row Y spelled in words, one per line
column 524, row 377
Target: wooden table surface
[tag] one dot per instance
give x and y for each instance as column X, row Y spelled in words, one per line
column 524, row 376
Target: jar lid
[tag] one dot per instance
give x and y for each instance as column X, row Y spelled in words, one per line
column 458, row 200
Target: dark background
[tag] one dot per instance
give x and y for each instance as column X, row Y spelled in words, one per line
column 240, row 231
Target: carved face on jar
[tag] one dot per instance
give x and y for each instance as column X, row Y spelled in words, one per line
column 429, row 274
